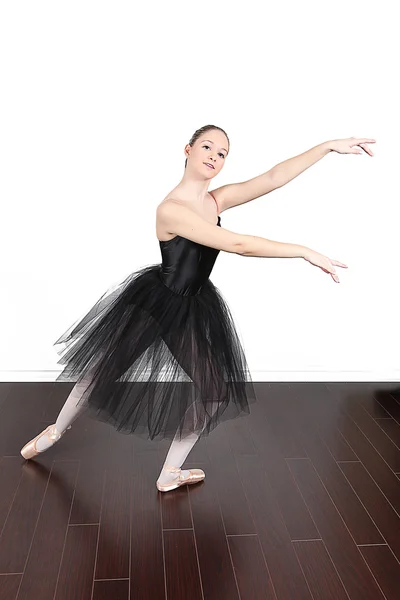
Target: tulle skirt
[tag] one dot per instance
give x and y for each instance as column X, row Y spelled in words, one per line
column 156, row 363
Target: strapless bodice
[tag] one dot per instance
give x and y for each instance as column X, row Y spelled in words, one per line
column 186, row 265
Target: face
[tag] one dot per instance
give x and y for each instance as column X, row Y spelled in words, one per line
column 211, row 147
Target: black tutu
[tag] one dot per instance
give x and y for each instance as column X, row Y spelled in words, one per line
column 160, row 353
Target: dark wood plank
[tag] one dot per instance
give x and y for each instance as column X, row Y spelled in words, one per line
column 251, row 570
column 355, row 575
column 175, row 509
column 89, row 440
column 77, row 567
column 18, row 530
column 330, row 424
column 9, row 585
column 283, row 487
column 370, row 428
column 181, row 566
column 10, row 475
column 287, row 577
column 114, row 539
column 389, row 403
column 240, row 439
column 49, row 537
column 21, row 415
column 385, row 568
column 147, row 563
column 393, row 388
column 373, row 462
column 5, row 390
column 232, row 499
column 353, row 513
column 372, row 406
column 217, row 575
column 88, row 493
column 391, row 428
column 274, row 401
column 385, row 517
column 319, row 571
column 111, row 590
column 316, row 403
column 341, row 493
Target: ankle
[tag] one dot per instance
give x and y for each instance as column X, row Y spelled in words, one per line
column 171, row 469
column 48, row 439
column 170, row 473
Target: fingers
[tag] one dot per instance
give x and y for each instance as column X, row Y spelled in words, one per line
column 339, row 264
column 362, row 142
column 366, row 149
column 332, row 271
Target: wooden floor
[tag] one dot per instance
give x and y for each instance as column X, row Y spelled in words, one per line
column 301, row 501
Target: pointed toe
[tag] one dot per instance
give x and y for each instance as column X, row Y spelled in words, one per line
column 30, row 450
column 195, row 476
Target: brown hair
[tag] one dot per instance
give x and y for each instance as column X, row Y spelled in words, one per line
column 199, row 132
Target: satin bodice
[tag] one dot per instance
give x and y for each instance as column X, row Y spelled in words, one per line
column 186, row 265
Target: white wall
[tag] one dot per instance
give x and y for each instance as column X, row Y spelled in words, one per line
column 98, row 102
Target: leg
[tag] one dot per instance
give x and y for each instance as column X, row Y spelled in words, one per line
column 180, row 447
column 67, row 415
column 69, row 412
column 71, row 409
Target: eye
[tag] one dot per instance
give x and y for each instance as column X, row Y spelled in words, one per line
column 221, row 154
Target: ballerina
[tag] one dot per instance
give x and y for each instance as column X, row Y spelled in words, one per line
column 169, row 319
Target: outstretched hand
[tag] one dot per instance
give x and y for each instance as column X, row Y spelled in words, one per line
column 323, row 262
column 352, row 145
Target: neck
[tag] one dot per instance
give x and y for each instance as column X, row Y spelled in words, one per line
column 193, row 186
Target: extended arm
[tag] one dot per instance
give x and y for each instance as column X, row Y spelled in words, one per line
column 287, row 170
column 234, row 194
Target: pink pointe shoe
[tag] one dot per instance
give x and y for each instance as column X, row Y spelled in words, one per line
column 30, row 450
column 195, row 475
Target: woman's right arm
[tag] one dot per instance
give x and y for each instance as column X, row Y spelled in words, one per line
column 181, row 220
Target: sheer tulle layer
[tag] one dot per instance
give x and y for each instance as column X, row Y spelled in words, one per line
column 158, row 362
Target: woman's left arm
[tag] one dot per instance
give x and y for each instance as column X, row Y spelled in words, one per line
column 292, row 167
column 235, row 194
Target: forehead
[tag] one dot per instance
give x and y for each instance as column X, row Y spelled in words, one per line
column 214, row 141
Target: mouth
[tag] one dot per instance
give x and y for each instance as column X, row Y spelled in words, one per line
column 209, row 165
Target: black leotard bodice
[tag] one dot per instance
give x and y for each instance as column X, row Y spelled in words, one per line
column 186, row 265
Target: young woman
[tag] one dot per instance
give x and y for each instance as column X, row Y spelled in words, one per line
column 170, row 319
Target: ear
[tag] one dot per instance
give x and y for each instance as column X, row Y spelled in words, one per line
column 187, row 150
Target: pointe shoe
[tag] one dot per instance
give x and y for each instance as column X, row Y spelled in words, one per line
column 30, row 450
column 195, row 475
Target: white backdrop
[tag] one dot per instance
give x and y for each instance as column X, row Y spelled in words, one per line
column 98, row 101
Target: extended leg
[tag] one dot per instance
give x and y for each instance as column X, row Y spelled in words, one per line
column 67, row 415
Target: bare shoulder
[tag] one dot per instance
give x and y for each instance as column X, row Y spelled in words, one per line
column 165, row 214
column 173, row 207
column 178, row 218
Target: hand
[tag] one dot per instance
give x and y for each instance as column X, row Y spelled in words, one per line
column 325, row 263
column 352, row 146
